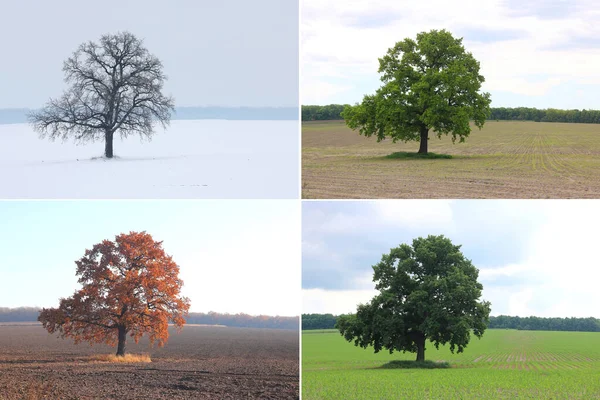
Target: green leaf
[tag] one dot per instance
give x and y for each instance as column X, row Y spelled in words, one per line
column 428, row 84
column 427, row 291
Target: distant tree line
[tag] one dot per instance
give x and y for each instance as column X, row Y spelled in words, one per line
column 332, row 112
column 20, row 314
column 30, row 314
column 327, row 321
column 318, row 321
column 244, row 320
column 547, row 115
column 322, row 113
column 545, row 324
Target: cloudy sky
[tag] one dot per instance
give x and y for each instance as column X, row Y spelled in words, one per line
column 537, row 53
column 219, row 53
column 234, row 256
column 534, row 257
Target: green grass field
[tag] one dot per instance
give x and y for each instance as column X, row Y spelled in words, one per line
column 506, row 159
column 504, row 364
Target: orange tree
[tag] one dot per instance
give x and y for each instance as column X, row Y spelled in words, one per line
column 129, row 286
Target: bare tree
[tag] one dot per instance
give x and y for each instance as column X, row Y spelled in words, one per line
column 115, row 87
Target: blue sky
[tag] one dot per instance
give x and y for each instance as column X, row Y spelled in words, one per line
column 215, row 53
column 535, row 257
column 230, row 253
column 537, row 54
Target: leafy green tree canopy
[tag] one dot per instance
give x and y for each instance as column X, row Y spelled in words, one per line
column 430, row 83
column 428, row 291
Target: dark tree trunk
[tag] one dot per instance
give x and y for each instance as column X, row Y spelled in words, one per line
column 420, row 341
column 122, row 339
column 424, row 140
column 108, row 144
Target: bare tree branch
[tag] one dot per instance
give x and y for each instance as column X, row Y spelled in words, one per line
column 116, row 87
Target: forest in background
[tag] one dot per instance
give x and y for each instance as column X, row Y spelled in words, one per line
column 327, row 321
column 332, row 112
column 30, row 314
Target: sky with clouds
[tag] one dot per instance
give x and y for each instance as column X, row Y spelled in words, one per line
column 215, row 53
column 535, row 257
column 234, row 256
column 538, row 53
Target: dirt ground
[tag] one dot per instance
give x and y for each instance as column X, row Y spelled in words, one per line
column 201, row 362
column 506, row 159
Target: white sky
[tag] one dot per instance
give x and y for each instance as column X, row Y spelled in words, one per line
column 545, row 263
column 234, row 255
column 216, row 53
column 540, row 53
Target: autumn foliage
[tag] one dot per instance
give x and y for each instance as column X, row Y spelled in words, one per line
column 130, row 286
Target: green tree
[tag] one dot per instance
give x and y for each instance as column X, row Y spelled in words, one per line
column 428, row 84
column 428, row 291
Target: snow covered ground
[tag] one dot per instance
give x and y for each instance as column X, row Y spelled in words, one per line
column 191, row 159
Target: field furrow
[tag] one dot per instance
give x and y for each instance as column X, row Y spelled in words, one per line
column 200, row 362
column 507, row 159
column 504, row 364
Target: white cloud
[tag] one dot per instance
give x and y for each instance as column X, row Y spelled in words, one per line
column 314, row 248
column 316, row 90
column 344, row 222
column 563, row 258
column 557, row 276
column 416, row 213
column 518, row 303
column 522, row 86
column 321, row 301
column 408, row 213
column 543, row 56
column 509, row 270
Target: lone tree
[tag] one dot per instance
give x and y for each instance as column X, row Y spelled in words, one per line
column 427, row 292
column 115, row 87
column 428, row 84
column 130, row 286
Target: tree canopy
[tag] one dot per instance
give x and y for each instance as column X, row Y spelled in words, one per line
column 129, row 286
column 116, row 86
column 427, row 291
column 428, row 84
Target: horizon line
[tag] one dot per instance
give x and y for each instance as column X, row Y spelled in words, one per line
column 190, row 312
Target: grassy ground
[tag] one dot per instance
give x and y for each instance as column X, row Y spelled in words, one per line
column 504, row 364
column 506, row 159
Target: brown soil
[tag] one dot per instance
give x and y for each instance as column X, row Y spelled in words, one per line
column 506, row 159
column 199, row 363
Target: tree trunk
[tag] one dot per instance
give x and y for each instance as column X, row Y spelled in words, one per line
column 424, row 140
column 122, row 339
column 108, row 144
column 420, row 341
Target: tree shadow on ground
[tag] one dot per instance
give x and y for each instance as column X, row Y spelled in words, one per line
column 403, row 155
column 407, row 364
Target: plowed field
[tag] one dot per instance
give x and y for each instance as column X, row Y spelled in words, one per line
column 506, row 159
column 201, row 362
